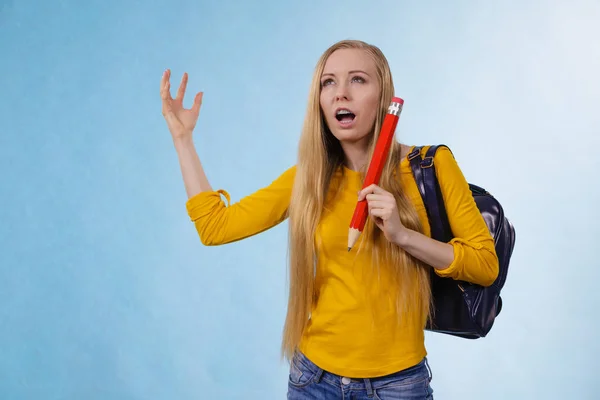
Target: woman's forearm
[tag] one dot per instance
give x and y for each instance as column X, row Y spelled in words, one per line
column 194, row 177
column 433, row 252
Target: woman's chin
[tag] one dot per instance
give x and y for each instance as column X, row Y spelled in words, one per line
column 349, row 135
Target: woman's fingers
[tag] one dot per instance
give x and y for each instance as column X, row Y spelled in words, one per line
column 377, row 204
column 163, row 80
column 165, row 85
column 197, row 103
column 380, row 205
column 380, row 213
column 372, row 189
column 181, row 90
column 385, row 198
column 165, row 93
column 174, row 107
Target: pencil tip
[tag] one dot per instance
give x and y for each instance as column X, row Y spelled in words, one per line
column 349, row 248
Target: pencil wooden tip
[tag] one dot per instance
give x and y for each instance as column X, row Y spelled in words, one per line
column 353, row 235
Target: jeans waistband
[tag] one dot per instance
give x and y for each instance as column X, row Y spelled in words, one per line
column 418, row 370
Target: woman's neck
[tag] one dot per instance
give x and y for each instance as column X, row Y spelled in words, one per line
column 355, row 155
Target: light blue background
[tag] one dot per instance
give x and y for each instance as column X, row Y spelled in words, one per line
column 106, row 290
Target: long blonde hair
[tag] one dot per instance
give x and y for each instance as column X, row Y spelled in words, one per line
column 319, row 155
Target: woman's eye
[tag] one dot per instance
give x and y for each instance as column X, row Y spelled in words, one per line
column 358, row 79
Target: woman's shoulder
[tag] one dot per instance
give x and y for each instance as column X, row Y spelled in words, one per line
column 287, row 176
column 446, row 166
column 442, row 153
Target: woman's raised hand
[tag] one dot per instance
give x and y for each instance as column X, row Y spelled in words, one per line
column 180, row 121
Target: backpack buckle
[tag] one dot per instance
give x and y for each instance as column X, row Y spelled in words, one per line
column 413, row 154
column 427, row 162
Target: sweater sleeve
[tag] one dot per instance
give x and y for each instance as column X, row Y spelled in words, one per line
column 475, row 258
column 218, row 223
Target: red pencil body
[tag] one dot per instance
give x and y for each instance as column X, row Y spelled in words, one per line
column 380, row 154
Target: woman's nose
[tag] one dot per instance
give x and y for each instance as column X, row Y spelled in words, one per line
column 341, row 92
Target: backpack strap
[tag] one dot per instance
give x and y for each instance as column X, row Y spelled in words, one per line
column 424, row 173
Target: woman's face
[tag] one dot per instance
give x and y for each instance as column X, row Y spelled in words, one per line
column 350, row 94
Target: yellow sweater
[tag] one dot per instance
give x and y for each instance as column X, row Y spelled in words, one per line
column 344, row 336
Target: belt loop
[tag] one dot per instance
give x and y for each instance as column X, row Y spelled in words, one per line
column 428, row 369
column 318, row 375
column 368, row 387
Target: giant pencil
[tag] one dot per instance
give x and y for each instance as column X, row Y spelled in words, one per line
column 380, row 154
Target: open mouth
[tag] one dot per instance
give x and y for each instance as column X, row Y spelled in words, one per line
column 345, row 116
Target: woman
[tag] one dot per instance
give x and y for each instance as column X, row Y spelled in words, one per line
column 356, row 319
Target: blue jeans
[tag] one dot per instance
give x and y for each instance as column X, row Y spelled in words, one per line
column 309, row 382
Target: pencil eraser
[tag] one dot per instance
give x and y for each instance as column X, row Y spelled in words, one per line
column 397, row 100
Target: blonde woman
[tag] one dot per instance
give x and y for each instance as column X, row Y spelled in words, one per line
column 355, row 322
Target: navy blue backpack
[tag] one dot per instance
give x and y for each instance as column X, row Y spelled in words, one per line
column 460, row 308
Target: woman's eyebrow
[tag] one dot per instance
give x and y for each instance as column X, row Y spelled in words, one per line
column 350, row 72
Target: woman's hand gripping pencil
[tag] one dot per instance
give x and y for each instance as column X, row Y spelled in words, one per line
column 380, row 154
